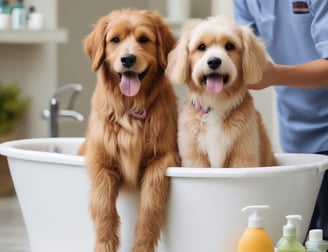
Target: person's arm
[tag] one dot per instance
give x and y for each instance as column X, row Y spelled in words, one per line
column 241, row 13
column 313, row 74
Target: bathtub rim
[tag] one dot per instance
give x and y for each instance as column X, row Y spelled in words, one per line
column 10, row 150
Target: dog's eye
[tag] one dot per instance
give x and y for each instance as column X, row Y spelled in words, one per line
column 202, row 47
column 115, row 40
column 229, row 46
column 144, row 40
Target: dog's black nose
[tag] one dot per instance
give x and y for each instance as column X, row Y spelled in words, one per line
column 128, row 60
column 214, row 62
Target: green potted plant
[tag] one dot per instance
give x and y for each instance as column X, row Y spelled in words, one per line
column 12, row 108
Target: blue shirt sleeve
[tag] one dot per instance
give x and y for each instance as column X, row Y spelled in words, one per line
column 319, row 27
column 241, row 13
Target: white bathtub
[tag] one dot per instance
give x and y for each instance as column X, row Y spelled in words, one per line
column 204, row 210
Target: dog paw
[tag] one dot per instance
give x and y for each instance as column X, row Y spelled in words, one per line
column 144, row 248
column 105, row 247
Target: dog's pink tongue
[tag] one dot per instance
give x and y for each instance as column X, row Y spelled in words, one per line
column 214, row 83
column 130, row 84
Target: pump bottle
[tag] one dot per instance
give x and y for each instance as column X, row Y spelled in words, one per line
column 315, row 242
column 4, row 7
column 4, row 15
column 18, row 15
column 289, row 242
column 255, row 238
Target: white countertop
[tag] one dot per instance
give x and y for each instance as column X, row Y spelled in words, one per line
column 13, row 236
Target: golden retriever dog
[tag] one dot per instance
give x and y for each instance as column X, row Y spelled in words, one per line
column 219, row 126
column 132, row 133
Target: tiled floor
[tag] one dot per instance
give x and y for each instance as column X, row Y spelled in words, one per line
column 13, row 236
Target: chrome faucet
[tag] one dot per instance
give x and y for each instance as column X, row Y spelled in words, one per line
column 54, row 112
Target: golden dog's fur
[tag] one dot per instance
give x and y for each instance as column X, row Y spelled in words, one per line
column 219, row 126
column 132, row 131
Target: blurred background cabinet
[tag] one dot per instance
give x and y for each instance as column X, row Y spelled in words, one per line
column 31, row 59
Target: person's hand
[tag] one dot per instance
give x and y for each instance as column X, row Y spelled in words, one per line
column 312, row 74
column 267, row 78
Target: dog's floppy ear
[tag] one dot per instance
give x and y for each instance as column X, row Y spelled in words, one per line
column 95, row 43
column 178, row 68
column 165, row 38
column 254, row 56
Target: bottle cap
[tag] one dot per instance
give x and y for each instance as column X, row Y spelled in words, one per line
column 315, row 235
column 255, row 219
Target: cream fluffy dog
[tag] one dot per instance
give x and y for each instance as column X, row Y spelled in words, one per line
column 219, row 126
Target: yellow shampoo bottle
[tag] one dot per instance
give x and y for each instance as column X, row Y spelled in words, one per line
column 255, row 238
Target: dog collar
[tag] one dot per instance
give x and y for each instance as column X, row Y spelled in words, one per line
column 203, row 110
column 139, row 114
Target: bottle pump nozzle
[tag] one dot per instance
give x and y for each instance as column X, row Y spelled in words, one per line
column 290, row 227
column 255, row 219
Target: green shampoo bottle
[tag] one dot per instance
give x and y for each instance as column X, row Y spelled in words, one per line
column 289, row 242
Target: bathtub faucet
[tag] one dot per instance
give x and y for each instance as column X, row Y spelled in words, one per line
column 54, row 112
